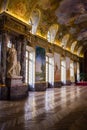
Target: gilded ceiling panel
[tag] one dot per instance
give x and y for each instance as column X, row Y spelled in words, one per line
column 48, row 4
column 1, row 3
column 21, row 8
column 47, row 19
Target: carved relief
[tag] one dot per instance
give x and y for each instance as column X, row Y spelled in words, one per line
column 15, row 26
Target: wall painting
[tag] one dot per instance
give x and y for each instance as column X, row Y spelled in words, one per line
column 40, row 64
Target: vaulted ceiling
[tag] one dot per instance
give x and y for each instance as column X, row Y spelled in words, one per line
column 69, row 17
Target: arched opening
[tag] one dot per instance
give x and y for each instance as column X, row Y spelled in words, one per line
column 52, row 33
column 73, row 46
column 79, row 50
column 34, row 20
column 65, row 40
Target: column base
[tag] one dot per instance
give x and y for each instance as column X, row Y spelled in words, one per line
column 40, row 86
column 16, row 88
column 58, row 84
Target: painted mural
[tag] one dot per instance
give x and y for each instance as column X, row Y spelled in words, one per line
column 57, row 70
column 40, row 64
column 67, row 68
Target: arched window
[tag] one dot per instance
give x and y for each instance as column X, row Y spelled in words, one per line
column 9, row 44
column 79, row 50
column 52, row 33
column 34, row 20
column 4, row 5
column 73, row 46
column 65, row 40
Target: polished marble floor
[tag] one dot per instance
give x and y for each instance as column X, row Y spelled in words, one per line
column 42, row 110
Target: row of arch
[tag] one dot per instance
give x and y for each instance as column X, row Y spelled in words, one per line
column 51, row 34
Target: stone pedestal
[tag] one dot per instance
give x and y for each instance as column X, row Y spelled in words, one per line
column 16, row 88
column 40, row 86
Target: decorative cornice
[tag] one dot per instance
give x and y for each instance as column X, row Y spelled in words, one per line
column 35, row 40
column 7, row 22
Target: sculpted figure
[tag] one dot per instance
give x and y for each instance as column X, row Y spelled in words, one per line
column 13, row 67
column 18, row 68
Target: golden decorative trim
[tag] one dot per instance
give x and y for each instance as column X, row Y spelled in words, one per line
column 2, row 85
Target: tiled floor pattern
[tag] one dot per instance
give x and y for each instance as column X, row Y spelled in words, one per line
column 41, row 110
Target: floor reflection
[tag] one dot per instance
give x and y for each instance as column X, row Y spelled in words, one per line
column 41, row 109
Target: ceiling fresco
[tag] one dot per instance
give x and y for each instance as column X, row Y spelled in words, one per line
column 69, row 10
column 1, row 3
column 69, row 15
column 21, row 8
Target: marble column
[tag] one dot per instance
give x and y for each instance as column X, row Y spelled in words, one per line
column 23, row 57
column 13, row 40
column 0, row 55
column 18, row 46
column 3, row 56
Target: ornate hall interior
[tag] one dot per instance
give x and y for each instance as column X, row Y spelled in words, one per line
column 43, row 64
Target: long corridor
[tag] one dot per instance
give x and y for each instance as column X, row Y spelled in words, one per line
column 41, row 110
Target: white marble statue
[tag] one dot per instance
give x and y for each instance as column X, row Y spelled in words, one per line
column 13, row 66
